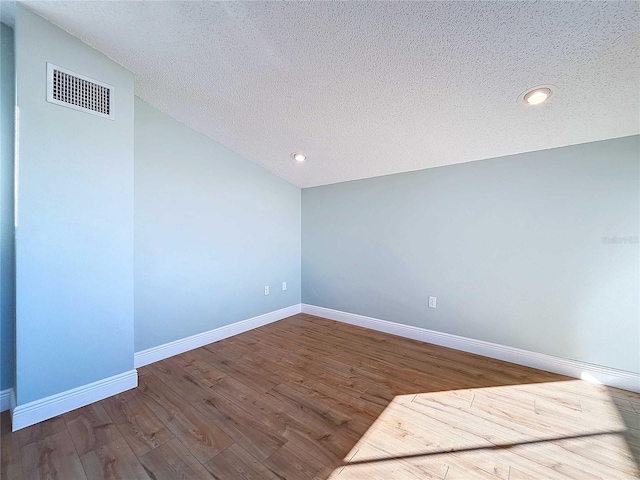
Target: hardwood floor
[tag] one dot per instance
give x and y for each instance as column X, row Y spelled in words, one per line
column 309, row 398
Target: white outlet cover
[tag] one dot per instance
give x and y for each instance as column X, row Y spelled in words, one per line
column 432, row 302
column 284, row 286
column 266, row 290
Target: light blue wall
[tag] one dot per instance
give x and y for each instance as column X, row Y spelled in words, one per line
column 74, row 241
column 511, row 247
column 7, row 260
column 211, row 230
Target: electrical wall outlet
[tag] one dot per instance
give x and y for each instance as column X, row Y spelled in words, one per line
column 432, row 302
column 284, row 286
column 266, row 290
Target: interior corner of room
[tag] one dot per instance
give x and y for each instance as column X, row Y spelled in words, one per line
column 132, row 236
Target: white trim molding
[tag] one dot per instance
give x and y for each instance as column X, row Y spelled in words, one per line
column 572, row 368
column 12, row 401
column 154, row 354
column 48, row 407
column 5, row 399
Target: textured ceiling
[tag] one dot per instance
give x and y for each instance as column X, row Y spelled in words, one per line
column 373, row 88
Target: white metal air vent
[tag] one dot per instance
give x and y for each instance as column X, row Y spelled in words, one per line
column 78, row 92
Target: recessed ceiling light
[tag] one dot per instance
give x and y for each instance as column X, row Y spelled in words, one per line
column 536, row 96
column 299, row 157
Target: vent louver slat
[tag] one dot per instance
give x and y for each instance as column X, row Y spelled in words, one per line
column 78, row 92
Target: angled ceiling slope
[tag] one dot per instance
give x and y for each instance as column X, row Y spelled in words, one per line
column 373, row 88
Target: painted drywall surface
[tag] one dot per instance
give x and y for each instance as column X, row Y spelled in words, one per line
column 211, row 230
column 7, row 259
column 74, row 239
column 518, row 250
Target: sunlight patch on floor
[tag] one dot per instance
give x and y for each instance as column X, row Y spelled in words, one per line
column 544, row 430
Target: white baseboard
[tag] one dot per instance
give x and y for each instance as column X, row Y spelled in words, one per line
column 170, row 349
column 12, row 401
column 572, row 368
column 48, row 407
column 5, row 399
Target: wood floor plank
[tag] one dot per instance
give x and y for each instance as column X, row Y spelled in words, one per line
column 10, row 461
column 52, row 458
column 252, row 435
column 192, row 363
column 323, row 460
column 234, row 367
column 204, row 439
column 187, row 386
column 413, row 468
column 113, row 461
column 172, row 461
column 140, row 427
column 41, row 430
column 236, row 462
column 309, row 398
column 91, row 427
column 286, row 465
